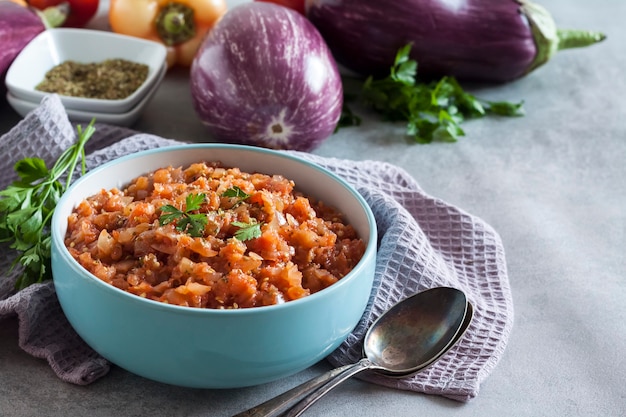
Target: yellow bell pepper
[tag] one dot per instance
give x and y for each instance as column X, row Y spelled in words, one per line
column 179, row 24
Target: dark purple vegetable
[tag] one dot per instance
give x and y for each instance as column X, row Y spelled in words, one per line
column 486, row 40
column 18, row 26
column 265, row 77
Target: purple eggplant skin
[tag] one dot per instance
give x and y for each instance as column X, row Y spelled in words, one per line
column 264, row 77
column 475, row 40
column 18, row 26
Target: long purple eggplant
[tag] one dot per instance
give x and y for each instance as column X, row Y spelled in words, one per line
column 18, row 26
column 485, row 40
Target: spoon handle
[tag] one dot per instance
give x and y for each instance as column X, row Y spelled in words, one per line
column 302, row 405
column 277, row 405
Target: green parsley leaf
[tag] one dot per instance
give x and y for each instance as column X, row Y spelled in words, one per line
column 27, row 205
column 186, row 221
column 194, row 201
column 235, row 192
column 404, row 70
column 247, row 231
column 504, row 108
column 170, row 214
column 31, row 169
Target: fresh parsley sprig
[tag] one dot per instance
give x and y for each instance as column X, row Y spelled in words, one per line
column 186, row 221
column 194, row 223
column 27, row 205
column 433, row 110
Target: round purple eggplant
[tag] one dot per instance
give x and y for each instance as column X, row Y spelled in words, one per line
column 480, row 40
column 265, row 77
column 18, row 26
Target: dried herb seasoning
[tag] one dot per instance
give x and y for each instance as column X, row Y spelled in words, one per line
column 111, row 79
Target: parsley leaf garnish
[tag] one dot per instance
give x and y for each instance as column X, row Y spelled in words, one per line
column 236, row 192
column 433, row 110
column 247, row 231
column 27, row 205
column 186, row 221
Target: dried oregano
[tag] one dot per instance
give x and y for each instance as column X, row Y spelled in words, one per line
column 112, row 79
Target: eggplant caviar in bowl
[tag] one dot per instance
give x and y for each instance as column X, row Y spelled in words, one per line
column 213, row 266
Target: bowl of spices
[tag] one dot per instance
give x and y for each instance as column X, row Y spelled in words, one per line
column 92, row 71
column 127, row 118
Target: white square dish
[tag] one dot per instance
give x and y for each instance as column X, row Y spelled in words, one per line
column 55, row 46
column 127, row 118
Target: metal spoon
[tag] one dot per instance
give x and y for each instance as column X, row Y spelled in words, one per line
column 311, row 398
column 406, row 339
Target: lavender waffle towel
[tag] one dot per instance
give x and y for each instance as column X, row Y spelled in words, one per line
column 424, row 242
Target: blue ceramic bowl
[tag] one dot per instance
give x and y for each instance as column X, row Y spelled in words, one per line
column 205, row 348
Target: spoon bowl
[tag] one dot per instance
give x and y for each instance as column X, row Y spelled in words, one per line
column 406, row 339
column 410, row 335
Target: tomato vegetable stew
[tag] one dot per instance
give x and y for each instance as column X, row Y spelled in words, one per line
column 211, row 236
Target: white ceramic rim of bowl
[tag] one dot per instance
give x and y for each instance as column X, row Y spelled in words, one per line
column 22, row 83
column 23, row 107
column 58, row 241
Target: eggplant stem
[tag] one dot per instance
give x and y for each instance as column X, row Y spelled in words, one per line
column 548, row 38
column 569, row 38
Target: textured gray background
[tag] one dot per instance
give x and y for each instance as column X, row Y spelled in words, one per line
column 551, row 183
